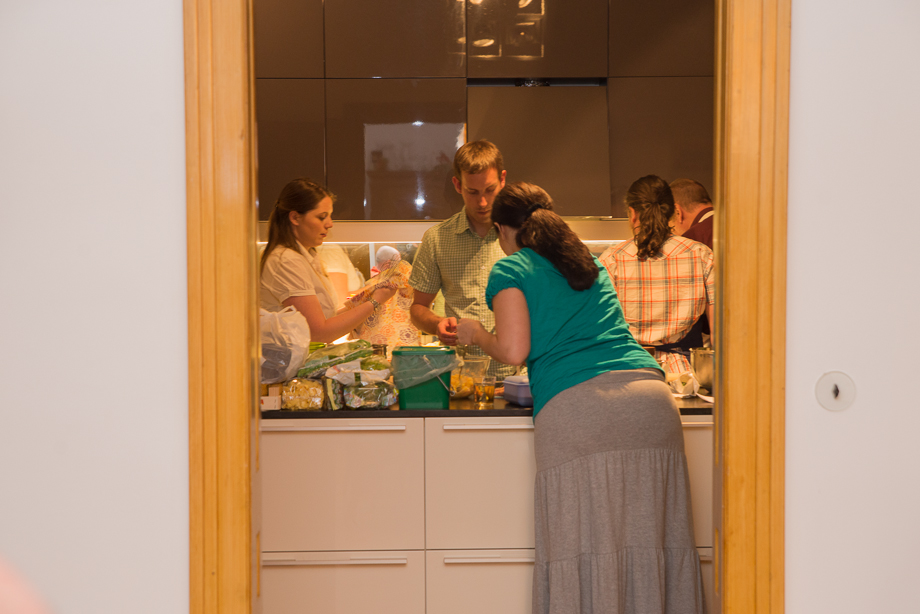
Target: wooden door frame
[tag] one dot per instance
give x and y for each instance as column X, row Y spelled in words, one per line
column 751, row 135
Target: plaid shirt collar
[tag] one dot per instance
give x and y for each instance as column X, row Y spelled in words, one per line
column 461, row 223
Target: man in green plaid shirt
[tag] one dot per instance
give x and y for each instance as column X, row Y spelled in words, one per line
column 457, row 255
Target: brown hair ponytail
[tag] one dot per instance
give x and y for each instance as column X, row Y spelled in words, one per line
column 651, row 200
column 529, row 209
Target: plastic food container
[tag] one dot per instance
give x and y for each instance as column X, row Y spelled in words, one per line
column 517, row 390
column 430, row 394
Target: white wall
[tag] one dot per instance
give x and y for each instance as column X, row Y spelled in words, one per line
column 93, row 363
column 853, row 477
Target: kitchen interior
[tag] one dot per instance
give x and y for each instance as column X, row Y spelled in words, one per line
column 431, row 510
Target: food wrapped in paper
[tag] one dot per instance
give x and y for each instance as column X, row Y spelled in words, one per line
column 302, row 394
column 371, row 396
column 332, row 355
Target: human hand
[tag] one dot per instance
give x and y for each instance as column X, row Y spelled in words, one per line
column 447, row 331
column 467, row 329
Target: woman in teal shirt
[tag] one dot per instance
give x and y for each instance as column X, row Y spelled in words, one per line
column 614, row 531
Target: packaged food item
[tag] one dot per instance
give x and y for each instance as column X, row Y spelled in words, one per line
column 334, row 394
column 375, row 363
column 354, row 373
column 302, row 394
column 370, row 396
column 331, row 355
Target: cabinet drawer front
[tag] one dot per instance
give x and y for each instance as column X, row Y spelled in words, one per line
column 479, row 482
column 481, row 581
column 344, row 582
column 698, row 431
column 338, row 484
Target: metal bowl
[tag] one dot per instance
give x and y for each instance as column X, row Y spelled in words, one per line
column 701, row 363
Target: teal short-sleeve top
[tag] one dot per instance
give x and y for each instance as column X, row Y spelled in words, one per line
column 574, row 335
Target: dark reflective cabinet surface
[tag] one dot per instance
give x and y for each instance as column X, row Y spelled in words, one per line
column 288, row 37
column 291, row 116
column 537, row 38
column 553, row 136
column 395, row 38
column 373, row 97
column 660, row 126
column 390, row 146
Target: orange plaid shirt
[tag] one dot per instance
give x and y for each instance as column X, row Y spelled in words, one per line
column 663, row 296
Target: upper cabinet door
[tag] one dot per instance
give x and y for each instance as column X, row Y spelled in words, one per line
column 395, row 38
column 659, row 126
column 555, row 137
column 537, row 38
column 289, row 121
column 662, row 38
column 390, row 147
column 288, row 38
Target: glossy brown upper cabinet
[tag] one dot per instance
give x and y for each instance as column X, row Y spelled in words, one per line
column 537, row 38
column 288, row 38
column 395, row 38
column 290, row 119
column 659, row 126
column 555, row 137
column 390, row 147
column 662, row 38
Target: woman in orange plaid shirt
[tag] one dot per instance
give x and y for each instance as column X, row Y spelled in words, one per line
column 664, row 282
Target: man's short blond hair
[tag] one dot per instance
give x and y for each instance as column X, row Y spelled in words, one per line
column 477, row 157
column 690, row 194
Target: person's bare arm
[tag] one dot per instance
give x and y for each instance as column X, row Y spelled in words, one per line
column 429, row 322
column 326, row 330
column 340, row 281
column 511, row 342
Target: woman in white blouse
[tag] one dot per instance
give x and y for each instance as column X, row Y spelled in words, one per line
column 292, row 273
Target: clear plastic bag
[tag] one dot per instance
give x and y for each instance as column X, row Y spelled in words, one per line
column 417, row 368
column 285, row 339
column 331, row 355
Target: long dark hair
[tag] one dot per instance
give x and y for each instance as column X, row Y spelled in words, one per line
column 651, row 199
column 529, row 209
column 300, row 195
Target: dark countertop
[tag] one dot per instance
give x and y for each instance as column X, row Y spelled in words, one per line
column 461, row 408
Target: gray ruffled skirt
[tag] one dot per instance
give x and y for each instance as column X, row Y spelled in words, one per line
column 614, row 528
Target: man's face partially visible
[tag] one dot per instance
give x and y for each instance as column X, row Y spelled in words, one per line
column 681, row 221
column 478, row 191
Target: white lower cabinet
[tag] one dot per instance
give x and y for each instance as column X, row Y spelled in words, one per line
column 479, row 480
column 390, row 582
column 340, row 484
column 698, row 446
column 416, row 515
column 706, row 569
column 480, row 581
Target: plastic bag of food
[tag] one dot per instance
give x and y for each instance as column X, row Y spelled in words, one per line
column 375, row 363
column 334, row 395
column 331, row 355
column 351, row 372
column 371, row 396
column 302, row 394
column 285, row 339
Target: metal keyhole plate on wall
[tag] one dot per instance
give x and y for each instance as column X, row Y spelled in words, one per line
column 835, row 391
